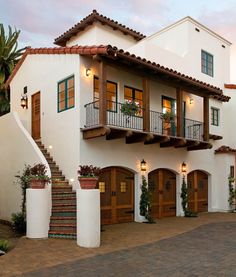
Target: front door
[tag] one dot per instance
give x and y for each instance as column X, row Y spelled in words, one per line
column 117, row 195
column 36, row 116
column 198, row 191
column 162, row 185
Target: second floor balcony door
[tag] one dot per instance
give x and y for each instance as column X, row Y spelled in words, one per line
column 169, row 116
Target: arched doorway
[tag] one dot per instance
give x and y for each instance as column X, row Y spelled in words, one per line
column 197, row 181
column 116, row 186
column 162, row 185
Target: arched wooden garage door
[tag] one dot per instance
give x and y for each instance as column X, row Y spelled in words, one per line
column 197, row 191
column 117, row 195
column 162, row 185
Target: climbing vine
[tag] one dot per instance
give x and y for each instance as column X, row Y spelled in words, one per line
column 184, row 197
column 232, row 193
column 145, row 201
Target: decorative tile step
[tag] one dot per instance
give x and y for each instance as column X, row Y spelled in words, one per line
column 61, row 188
column 55, row 169
column 58, row 178
column 63, row 197
column 68, row 200
column 62, row 236
column 64, row 213
column 58, row 193
column 63, row 206
column 64, row 220
column 61, row 227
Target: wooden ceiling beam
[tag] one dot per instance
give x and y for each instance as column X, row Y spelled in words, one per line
column 117, row 134
column 95, row 132
column 156, row 139
column 136, row 137
column 173, row 142
column 201, row 146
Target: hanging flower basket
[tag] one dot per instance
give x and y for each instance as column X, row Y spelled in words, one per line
column 130, row 108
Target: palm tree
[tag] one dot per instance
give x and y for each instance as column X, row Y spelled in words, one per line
column 9, row 56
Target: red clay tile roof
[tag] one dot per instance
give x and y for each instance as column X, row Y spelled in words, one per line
column 230, row 86
column 225, row 149
column 114, row 53
column 89, row 20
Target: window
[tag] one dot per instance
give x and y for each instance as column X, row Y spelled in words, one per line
column 215, row 116
column 66, row 94
column 135, row 95
column 207, row 63
column 111, row 94
column 232, row 171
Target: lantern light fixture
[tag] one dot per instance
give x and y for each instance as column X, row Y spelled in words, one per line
column 143, row 165
column 24, row 99
column 184, row 168
column 88, row 72
column 191, row 101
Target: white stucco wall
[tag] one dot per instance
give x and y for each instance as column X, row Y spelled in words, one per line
column 98, row 34
column 60, row 130
column 179, row 47
column 17, row 149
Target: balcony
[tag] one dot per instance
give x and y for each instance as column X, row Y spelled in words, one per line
column 134, row 128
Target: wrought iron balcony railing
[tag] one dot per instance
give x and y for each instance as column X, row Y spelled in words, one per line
column 116, row 117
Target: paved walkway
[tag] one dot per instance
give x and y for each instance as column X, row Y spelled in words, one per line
column 162, row 249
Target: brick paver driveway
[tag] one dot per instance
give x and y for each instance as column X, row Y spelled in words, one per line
column 209, row 250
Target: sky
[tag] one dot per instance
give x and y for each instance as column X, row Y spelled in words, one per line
column 41, row 21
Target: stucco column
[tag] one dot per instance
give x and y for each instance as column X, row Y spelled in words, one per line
column 37, row 211
column 88, row 217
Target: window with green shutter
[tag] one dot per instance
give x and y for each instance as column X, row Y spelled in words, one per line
column 66, row 94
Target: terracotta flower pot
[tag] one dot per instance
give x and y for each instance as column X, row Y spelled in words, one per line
column 88, row 183
column 37, row 184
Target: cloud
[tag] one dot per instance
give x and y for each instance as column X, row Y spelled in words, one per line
column 47, row 19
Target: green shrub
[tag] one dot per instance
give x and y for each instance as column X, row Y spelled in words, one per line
column 145, row 202
column 4, row 245
column 19, row 222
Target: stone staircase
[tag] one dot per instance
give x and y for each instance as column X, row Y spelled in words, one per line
column 63, row 218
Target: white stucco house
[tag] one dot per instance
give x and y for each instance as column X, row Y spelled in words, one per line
column 75, row 95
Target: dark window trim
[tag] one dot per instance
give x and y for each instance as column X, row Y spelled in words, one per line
column 207, row 67
column 212, row 116
column 107, row 81
column 133, row 98
column 66, row 92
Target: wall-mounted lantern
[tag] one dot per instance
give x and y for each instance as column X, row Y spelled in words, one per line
column 184, row 168
column 143, row 165
column 88, row 72
column 24, row 99
column 191, row 101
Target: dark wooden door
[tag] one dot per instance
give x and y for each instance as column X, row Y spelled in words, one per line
column 36, row 116
column 117, row 195
column 162, row 185
column 198, row 191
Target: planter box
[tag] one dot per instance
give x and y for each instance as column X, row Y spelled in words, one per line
column 37, row 184
column 88, row 183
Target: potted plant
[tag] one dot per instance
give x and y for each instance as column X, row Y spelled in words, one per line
column 167, row 117
column 38, row 177
column 130, row 108
column 88, row 176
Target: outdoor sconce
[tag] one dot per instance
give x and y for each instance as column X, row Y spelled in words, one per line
column 191, row 101
column 88, row 72
column 143, row 165
column 24, row 101
column 184, row 168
